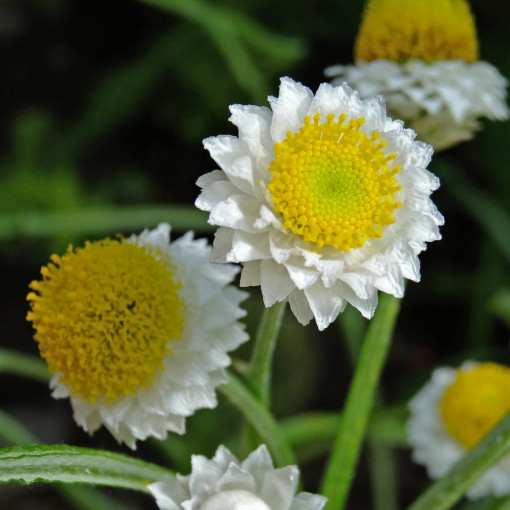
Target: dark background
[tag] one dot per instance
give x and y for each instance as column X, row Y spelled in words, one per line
column 104, row 106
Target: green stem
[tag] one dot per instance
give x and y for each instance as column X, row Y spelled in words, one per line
column 259, row 372
column 383, row 476
column 100, row 220
column 260, row 419
column 448, row 490
column 344, row 458
column 20, row 364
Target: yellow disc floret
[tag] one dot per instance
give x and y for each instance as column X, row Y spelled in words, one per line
column 475, row 402
column 423, row 29
column 332, row 183
column 104, row 315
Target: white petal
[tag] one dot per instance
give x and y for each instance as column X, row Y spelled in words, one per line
column 250, row 275
column 289, row 108
column 274, row 282
column 325, row 304
column 254, row 125
column 236, row 478
column 279, row 487
column 307, row 501
column 169, row 494
column 300, row 307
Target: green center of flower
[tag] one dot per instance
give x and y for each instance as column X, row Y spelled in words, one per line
column 104, row 315
column 475, row 402
column 332, row 184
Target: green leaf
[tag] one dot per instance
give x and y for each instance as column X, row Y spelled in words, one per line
column 69, row 464
column 13, row 431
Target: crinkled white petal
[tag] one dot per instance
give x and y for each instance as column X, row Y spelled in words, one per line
column 195, row 368
column 224, row 483
column 443, row 101
column 317, row 283
column 434, row 447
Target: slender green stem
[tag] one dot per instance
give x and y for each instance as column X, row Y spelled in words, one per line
column 383, row 476
column 382, row 467
column 13, row 432
column 352, row 326
column 21, row 364
column 445, row 492
column 260, row 419
column 344, row 458
column 100, row 220
column 259, row 372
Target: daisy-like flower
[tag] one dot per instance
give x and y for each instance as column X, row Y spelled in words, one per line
column 224, row 483
column 136, row 331
column 323, row 199
column 452, row 413
column 422, row 57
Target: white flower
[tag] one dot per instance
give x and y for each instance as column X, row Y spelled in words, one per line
column 452, row 412
column 323, row 199
column 224, row 483
column 443, row 100
column 137, row 331
column 424, row 63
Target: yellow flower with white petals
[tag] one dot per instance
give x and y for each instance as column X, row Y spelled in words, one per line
column 323, row 199
column 422, row 57
column 453, row 412
column 132, row 331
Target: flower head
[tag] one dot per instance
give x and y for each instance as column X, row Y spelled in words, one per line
column 429, row 30
column 422, row 57
column 131, row 331
column 323, row 199
column 453, row 412
column 224, row 483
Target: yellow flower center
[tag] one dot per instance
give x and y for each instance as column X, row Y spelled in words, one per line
column 424, row 29
column 475, row 402
column 332, row 184
column 104, row 315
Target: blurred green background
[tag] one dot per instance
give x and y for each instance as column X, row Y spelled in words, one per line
column 104, row 106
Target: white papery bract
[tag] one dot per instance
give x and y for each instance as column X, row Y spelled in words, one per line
column 195, row 364
column 434, row 446
column 442, row 101
column 319, row 277
column 224, row 483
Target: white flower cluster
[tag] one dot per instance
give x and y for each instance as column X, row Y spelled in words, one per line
column 317, row 282
column 196, row 365
column 433, row 445
column 224, row 483
column 442, row 101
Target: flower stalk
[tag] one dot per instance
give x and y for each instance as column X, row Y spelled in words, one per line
column 360, row 400
column 259, row 373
